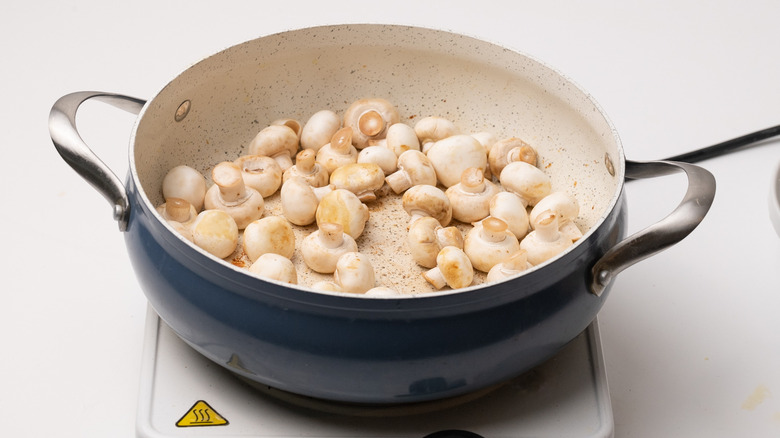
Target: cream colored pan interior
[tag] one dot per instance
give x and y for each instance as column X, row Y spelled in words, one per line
column 477, row 85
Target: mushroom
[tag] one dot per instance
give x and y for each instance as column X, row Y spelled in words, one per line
column 452, row 155
column 565, row 207
column 545, row 241
column 508, row 150
column 261, row 173
column 362, row 179
column 427, row 237
column 401, row 138
column 424, row 200
column 216, row 232
column 369, row 120
column 279, row 142
column 300, row 200
column 230, row 194
column 344, row 208
column 275, row 267
column 319, row 129
column 354, row 273
column 453, row 269
column 414, row 168
column 381, row 156
column 186, row 183
column 526, row 181
column 508, row 207
column 511, row 267
column 338, row 152
column 488, row 243
column 381, row 292
column 179, row 214
column 292, row 124
column 326, row 286
column 307, row 168
column 470, row 198
column 322, row 248
column 272, row 234
column 432, row 129
column 486, row 139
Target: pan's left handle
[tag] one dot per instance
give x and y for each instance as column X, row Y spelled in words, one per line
column 664, row 233
column 73, row 149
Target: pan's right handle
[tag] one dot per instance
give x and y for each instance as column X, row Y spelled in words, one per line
column 73, row 149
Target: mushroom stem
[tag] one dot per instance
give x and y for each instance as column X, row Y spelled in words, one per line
column 494, row 229
column 304, row 162
column 546, row 226
column 331, row 235
column 473, row 180
column 342, row 140
column 177, row 209
column 228, row 177
column 435, row 277
column 371, row 123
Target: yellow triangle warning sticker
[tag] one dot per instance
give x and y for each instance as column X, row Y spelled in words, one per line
column 201, row 414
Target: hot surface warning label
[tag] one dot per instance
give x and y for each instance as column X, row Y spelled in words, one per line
column 201, row 414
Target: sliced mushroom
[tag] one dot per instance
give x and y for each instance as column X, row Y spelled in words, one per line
column 307, row 168
column 319, row 129
column 338, row 152
column 362, row 179
column 216, row 232
column 453, row 269
column 424, row 200
column 275, row 267
column 322, row 248
column 186, row 183
column 272, row 234
column 279, row 142
column 344, row 208
column 489, row 243
column 354, row 273
column 261, row 173
column 451, row 156
column 414, row 168
column 545, row 241
column 470, row 198
column 526, row 181
column 230, row 194
column 427, row 237
column 369, row 120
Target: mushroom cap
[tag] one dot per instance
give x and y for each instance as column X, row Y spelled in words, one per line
column 401, row 138
column 382, row 292
column 261, row 173
column 299, row 202
column 307, row 168
column 381, row 156
column 354, row 273
column 186, row 183
column 508, row 207
column 323, row 248
column 507, row 150
column 470, row 198
column 344, row 208
column 272, row 234
column 277, row 141
column 216, row 232
column 544, row 242
column 434, row 128
column 426, row 237
column 275, row 267
column 486, row 139
column 489, row 243
column 526, row 181
column 248, row 209
column 562, row 203
column 362, row 179
column 427, row 200
column 370, row 120
column 453, row 267
column 338, row 152
column 319, row 129
column 414, row 168
column 293, row 124
column 451, row 156
column 514, row 265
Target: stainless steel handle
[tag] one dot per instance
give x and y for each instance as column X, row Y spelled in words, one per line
column 73, row 149
column 664, row 233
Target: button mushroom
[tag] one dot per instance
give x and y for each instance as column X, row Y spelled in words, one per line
column 382, row 292
column 338, row 152
column 275, row 267
column 511, row 267
column 344, row 208
column 427, row 237
column 279, row 142
column 424, row 200
column 453, row 155
column 414, row 168
column 453, row 269
column 322, row 248
column 307, row 168
column 470, row 198
column 369, row 120
column 508, row 150
column 545, row 241
column 354, row 273
column 565, row 207
column 401, row 138
column 300, row 200
column 216, row 232
column 489, row 243
column 526, row 181
column 261, row 173
column 486, row 139
column 186, row 183
column 381, row 156
column 326, row 286
column 230, row 194
column 432, row 129
column 292, row 124
column 362, row 179
column 179, row 214
column 272, row 234
column 319, row 129
column 510, row 208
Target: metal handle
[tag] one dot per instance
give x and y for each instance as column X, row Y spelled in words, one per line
column 665, row 233
column 70, row 145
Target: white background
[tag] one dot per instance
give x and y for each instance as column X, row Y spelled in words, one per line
column 691, row 336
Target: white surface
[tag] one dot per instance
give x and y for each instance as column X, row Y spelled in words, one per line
column 566, row 396
column 691, row 336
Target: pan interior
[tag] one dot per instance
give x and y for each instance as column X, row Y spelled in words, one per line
column 479, row 86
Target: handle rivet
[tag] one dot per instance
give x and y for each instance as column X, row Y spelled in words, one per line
column 182, row 111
